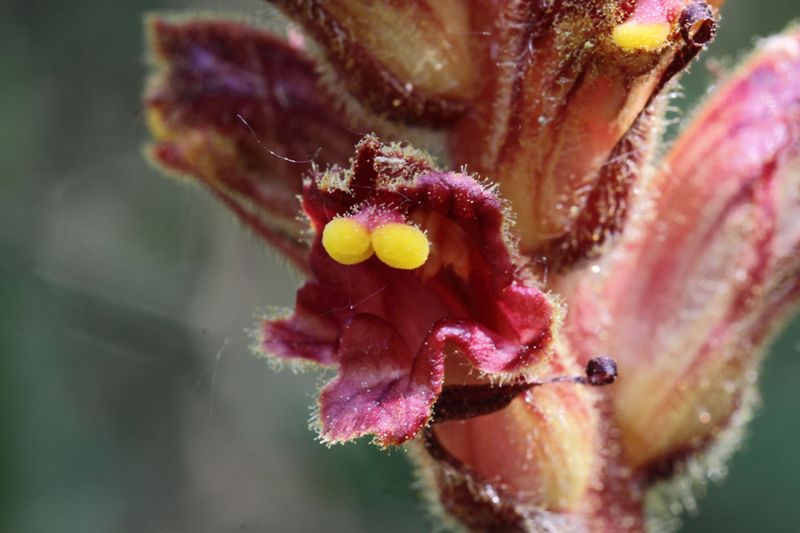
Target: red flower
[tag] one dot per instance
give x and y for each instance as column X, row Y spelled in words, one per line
column 441, row 305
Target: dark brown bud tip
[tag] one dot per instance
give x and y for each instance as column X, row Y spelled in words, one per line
column 601, row 371
column 697, row 23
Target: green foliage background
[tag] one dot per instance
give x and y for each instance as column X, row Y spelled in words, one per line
column 129, row 401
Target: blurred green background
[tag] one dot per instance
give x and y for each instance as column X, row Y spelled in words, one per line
column 129, row 401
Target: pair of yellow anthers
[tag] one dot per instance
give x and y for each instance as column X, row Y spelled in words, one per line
column 398, row 245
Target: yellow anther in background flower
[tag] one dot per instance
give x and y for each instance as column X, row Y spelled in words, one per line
column 157, row 124
column 401, row 245
column 347, row 241
column 646, row 36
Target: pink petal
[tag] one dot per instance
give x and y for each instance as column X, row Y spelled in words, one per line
column 382, row 389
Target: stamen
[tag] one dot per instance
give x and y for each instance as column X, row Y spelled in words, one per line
column 647, row 36
column 462, row 402
column 401, row 246
column 347, row 241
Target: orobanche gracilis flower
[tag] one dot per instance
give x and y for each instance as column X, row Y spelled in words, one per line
column 474, row 302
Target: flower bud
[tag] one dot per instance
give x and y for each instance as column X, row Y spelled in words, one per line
column 562, row 121
column 213, row 105
column 409, row 61
column 692, row 294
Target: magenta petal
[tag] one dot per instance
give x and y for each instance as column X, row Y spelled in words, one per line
column 531, row 314
column 310, row 340
column 485, row 350
column 382, row 389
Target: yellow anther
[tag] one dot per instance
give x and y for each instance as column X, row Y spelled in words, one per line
column 346, row 241
column 401, row 245
column 646, row 36
column 157, row 124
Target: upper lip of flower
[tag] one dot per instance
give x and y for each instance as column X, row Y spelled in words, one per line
column 559, row 103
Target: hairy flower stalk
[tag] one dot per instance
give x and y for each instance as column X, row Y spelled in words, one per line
column 475, row 307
